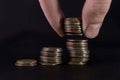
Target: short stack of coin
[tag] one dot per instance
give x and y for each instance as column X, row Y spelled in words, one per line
column 77, row 47
column 72, row 26
column 51, row 56
column 26, row 62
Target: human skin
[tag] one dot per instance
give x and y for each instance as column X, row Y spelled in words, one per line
column 93, row 14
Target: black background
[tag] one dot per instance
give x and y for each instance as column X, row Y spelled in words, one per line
column 24, row 28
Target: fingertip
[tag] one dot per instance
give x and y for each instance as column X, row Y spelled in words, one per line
column 92, row 30
column 61, row 34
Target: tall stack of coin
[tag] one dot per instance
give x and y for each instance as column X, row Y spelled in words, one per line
column 77, row 47
column 51, row 56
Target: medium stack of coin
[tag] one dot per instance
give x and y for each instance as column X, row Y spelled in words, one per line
column 51, row 56
column 78, row 49
column 26, row 62
column 76, row 43
column 72, row 26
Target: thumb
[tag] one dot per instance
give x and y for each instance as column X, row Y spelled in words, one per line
column 53, row 14
column 94, row 12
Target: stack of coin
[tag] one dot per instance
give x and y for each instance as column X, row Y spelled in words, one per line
column 77, row 47
column 26, row 62
column 51, row 56
column 72, row 26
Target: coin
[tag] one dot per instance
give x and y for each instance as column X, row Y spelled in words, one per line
column 79, row 54
column 77, row 47
column 71, row 21
column 78, row 61
column 51, row 49
column 72, row 27
column 73, row 34
column 73, row 30
column 77, row 44
column 49, row 64
column 50, row 59
column 26, row 62
column 50, row 54
column 79, row 41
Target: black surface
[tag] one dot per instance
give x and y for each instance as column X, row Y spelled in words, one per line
column 89, row 72
column 104, row 64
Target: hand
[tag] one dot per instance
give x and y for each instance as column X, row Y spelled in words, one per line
column 93, row 14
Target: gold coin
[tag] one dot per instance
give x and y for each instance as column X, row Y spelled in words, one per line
column 79, row 41
column 51, row 49
column 73, row 54
column 71, row 21
column 68, row 23
column 49, row 64
column 50, row 59
column 78, row 61
column 72, row 25
column 74, row 34
column 26, row 62
column 51, row 54
column 78, row 31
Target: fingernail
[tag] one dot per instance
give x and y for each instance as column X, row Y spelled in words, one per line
column 92, row 30
column 61, row 34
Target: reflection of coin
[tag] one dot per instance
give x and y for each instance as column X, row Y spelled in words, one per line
column 51, row 49
column 26, row 62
